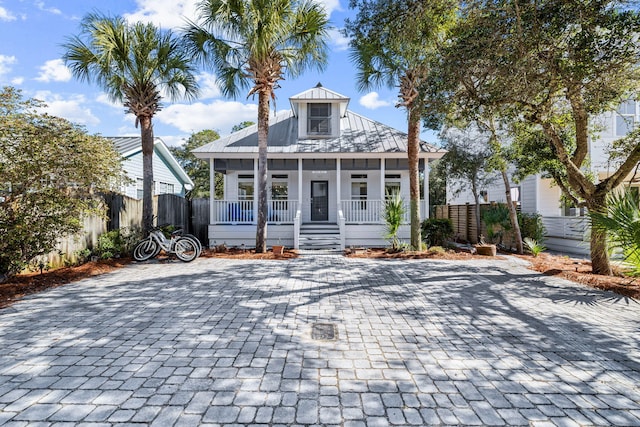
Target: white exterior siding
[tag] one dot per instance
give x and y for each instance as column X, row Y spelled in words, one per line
column 161, row 173
column 549, row 198
column 529, row 194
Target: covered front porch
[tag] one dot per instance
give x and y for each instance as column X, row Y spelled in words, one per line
column 340, row 201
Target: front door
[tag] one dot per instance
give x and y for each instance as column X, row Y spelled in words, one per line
column 319, row 200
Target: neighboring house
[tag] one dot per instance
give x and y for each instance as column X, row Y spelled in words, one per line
column 567, row 227
column 328, row 171
column 168, row 175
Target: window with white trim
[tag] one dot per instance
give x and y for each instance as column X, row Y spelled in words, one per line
column 245, row 187
column 139, row 188
column 279, row 187
column 392, row 185
column 359, row 190
column 626, row 117
column 318, row 118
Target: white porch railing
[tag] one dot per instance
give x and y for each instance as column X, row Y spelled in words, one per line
column 566, row 227
column 372, row 211
column 296, row 229
column 241, row 211
column 362, row 211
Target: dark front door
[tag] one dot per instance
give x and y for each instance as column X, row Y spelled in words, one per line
column 319, row 200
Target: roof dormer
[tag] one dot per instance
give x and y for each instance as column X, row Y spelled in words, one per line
column 319, row 111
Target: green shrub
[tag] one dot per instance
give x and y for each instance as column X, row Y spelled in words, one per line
column 109, row 244
column 117, row 243
column 497, row 221
column 393, row 214
column 531, row 226
column 436, row 231
column 621, row 222
column 535, row 247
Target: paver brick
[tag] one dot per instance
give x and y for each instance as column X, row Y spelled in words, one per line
column 416, row 346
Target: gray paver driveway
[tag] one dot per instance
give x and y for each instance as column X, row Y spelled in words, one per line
column 228, row 342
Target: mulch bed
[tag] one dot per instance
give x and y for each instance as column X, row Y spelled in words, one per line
column 238, row 253
column 29, row 283
column 579, row 271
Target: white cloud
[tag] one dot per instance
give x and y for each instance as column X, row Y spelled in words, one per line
column 338, row 39
column 372, row 101
column 17, row 81
column 54, row 70
column 208, row 86
column 330, row 5
column 163, row 13
column 104, row 99
column 174, row 13
column 217, row 115
column 174, row 140
column 73, row 108
column 40, row 5
column 5, row 64
column 6, row 15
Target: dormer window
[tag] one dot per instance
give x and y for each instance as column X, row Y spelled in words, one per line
column 319, row 118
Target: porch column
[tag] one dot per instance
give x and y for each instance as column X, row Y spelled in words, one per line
column 382, row 172
column 427, row 171
column 300, row 185
column 255, row 191
column 338, row 190
column 212, row 192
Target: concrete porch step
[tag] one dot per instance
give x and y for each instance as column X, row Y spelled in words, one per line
column 319, row 236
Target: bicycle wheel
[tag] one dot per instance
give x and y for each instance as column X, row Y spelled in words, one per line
column 185, row 249
column 192, row 237
column 196, row 242
column 145, row 250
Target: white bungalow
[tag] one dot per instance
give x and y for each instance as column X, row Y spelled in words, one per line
column 328, row 172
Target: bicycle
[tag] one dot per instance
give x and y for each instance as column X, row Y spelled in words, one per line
column 185, row 248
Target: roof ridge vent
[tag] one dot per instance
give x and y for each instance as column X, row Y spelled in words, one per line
column 319, row 84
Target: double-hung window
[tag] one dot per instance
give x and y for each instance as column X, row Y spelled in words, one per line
column 280, row 191
column 359, row 191
column 245, row 187
column 391, row 185
column 626, row 117
column 319, row 119
column 139, row 188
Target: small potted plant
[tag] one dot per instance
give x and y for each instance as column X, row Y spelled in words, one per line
column 278, row 249
column 486, row 249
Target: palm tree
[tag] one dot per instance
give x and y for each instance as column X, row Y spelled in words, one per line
column 392, row 43
column 134, row 64
column 252, row 44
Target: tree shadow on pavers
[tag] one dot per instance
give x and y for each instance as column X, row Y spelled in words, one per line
column 522, row 324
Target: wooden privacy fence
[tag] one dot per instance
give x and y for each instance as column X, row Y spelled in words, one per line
column 126, row 213
column 463, row 218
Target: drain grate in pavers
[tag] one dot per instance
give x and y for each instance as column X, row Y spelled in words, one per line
column 324, row 331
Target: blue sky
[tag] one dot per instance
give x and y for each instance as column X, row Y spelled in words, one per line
column 33, row 31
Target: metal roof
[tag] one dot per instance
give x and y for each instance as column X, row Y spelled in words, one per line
column 126, row 145
column 319, row 93
column 358, row 134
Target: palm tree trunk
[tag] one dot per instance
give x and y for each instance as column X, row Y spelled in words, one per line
column 146, row 133
column 600, row 263
column 413, row 142
column 263, row 136
column 513, row 215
